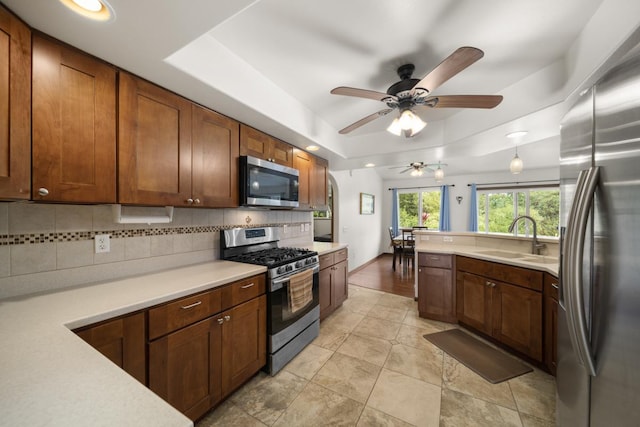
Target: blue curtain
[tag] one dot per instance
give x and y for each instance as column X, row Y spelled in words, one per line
column 394, row 212
column 445, row 224
column 473, row 209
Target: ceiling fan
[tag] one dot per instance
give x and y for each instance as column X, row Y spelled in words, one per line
column 416, row 169
column 410, row 93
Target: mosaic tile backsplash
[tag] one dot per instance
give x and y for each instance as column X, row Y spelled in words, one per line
column 45, row 247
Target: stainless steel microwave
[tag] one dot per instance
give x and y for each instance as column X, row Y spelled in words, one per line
column 263, row 183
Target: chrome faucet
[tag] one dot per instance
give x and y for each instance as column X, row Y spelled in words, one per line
column 535, row 245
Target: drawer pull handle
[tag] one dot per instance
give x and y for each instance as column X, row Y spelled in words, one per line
column 227, row 318
column 435, row 258
column 554, row 286
column 187, row 307
column 247, row 286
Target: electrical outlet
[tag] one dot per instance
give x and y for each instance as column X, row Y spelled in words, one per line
column 102, row 243
column 306, row 226
column 285, row 229
column 302, row 228
column 448, row 239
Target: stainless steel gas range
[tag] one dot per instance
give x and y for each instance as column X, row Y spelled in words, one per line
column 293, row 310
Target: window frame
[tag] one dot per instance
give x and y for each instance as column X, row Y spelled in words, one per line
column 419, row 191
column 482, row 197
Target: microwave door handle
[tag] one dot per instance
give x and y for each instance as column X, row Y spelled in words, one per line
column 578, row 329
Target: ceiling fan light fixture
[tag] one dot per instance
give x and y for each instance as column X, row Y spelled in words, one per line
column 439, row 174
column 416, row 172
column 395, row 128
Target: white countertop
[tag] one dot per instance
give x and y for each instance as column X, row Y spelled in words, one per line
column 325, row 247
column 491, row 254
column 49, row 376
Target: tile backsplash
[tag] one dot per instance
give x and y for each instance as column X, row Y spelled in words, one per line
column 46, row 247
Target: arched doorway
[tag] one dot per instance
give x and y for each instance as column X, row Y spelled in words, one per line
column 325, row 221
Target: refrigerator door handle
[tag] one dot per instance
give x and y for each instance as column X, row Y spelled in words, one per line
column 572, row 266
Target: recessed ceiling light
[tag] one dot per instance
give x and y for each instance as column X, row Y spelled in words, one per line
column 369, row 165
column 517, row 134
column 98, row 10
column 312, row 148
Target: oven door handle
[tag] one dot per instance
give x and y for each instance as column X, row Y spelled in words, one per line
column 280, row 281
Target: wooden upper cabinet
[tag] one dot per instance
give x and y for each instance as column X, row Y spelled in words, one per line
column 319, row 180
column 74, row 125
column 154, row 153
column 257, row 144
column 15, row 107
column 215, row 151
column 303, row 162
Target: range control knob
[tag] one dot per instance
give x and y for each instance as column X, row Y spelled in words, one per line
column 299, row 264
column 280, row 270
column 289, row 267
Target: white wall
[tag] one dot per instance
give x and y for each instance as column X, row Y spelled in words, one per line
column 361, row 232
column 459, row 212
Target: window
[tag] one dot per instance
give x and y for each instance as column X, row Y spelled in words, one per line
column 498, row 207
column 420, row 208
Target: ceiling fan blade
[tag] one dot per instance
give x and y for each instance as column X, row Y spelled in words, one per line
column 365, row 120
column 406, row 170
column 466, row 101
column 362, row 93
column 452, row 65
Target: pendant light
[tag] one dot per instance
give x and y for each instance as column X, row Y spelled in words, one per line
column 439, row 174
column 516, row 164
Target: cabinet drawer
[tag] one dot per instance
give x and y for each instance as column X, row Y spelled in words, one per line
column 327, row 260
column 185, row 311
column 243, row 290
column 524, row 277
column 434, row 260
column 340, row 255
column 551, row 286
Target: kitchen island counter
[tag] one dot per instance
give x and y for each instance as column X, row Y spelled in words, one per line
column 52, row 377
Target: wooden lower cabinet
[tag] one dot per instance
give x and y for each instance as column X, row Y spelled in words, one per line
column 436, row 290
column 334, row 288
column 197, row 366
column 551, row 322
column 122, row 341
column 509, row 313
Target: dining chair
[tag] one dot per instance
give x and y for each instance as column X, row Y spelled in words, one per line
column 408, row 248
column 397, row 247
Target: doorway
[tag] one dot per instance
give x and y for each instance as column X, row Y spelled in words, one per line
column 323, row 220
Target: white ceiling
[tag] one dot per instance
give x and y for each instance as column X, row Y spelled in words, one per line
column 272, row 63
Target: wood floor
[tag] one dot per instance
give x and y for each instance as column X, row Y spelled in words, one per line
column 379, row 275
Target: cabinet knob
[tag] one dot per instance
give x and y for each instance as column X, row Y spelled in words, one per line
column 43, row 191
column 220, row 321
column 189, row 201
column 227, row 318
column 488, row 283
column 419, row 270
column 196, row 201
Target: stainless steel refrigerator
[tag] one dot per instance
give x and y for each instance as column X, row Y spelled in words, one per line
column 598, row 370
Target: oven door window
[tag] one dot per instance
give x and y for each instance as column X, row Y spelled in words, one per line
column 280, row 306
column 269, row 184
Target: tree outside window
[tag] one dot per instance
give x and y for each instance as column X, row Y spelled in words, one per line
column 497, row 209
column 420, row 208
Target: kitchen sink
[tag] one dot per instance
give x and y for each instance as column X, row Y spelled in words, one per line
column 503, row 254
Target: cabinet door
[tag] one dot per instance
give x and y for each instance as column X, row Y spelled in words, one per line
column 339, row 283
column 123, row 342
column 257, row 144
column 244, row 342
column 551, row 334
column 319, row 180
column 304, row 163
column 15, row 107
column 325, row 292
column 517, row 318
column 435, row 294
column 74, row 125
column 185, row 367
column 154, row 155
column 474, row 301
column 215, row 145
column 281, row 153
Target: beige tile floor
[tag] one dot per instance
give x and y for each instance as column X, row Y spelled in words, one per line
column 370, row 366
